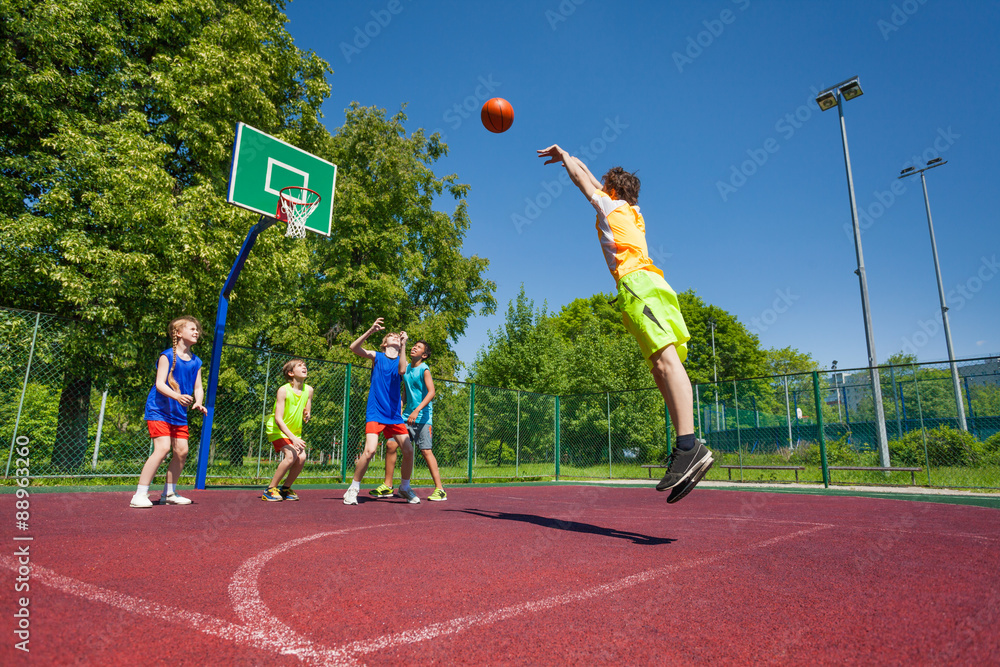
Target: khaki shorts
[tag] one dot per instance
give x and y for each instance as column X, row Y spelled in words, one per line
column 651, row 314
column 420, row 434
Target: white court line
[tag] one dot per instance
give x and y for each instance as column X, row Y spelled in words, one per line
column 244, row 587
column 276, row 641
column 467, row 622
column 279, row 638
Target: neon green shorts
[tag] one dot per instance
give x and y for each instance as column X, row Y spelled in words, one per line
column 651, row 314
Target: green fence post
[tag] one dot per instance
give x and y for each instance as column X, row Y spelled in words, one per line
column 347, row 423
column 472, row 428
column 819, row 428
column 557, row 439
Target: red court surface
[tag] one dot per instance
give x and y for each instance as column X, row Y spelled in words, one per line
column 519, row 575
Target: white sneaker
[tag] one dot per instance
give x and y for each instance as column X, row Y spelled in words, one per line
column 351, row 497
column 174, row 499
column 140, row 500
column 410, row 496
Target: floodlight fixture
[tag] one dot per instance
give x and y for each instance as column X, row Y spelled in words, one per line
column 848, row 89
column 913, row 171
column 826, row 100
column 851, row 90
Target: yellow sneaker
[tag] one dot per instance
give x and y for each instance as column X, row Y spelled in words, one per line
column 381, row 491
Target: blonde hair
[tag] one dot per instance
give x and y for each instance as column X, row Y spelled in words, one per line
column 385, row 340
column 289, row 365
column 173, row 330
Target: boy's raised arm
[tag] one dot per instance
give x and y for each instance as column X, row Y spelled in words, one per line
column 402, row 352
column 356, row 345
column 577, row 170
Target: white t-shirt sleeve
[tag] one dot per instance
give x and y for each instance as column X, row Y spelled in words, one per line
column 605, row 204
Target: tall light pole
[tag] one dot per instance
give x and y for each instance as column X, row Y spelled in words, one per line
column 715, row 371
column 959, row 406
column 829, row 98
column 836, row 388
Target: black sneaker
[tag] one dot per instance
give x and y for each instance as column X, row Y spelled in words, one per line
column 688, row 486
column 683, row 465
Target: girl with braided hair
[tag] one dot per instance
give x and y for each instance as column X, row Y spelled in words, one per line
column 177, row 390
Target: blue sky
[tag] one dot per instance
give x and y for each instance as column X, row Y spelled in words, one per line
column 744, row 188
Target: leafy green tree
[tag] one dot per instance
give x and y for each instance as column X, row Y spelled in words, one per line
column 789, row 368
column 737, row 350
column 525, row 353
column 391, row 254
column 985, row 400
column 585, row 348
column 115, row 139
column 788, row 360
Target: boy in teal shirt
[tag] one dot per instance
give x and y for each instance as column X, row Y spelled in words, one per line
column 418, row 413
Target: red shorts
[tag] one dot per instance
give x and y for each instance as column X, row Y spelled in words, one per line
column 160, row 429
column 280, row 444
column 390, row 430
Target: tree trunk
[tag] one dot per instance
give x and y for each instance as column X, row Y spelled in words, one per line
column 71, row 443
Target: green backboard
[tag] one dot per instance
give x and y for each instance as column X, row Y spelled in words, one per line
column 262, row 165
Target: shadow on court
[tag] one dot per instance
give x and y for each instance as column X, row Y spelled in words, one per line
column 574, row 526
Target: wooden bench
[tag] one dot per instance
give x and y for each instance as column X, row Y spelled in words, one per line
column 737, row 467
column 913, row 471
column 650, row 468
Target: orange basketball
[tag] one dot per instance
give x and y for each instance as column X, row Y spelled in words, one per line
column 497, row 115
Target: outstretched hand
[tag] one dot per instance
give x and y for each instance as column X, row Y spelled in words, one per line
column 554, row 153
column 377, row 326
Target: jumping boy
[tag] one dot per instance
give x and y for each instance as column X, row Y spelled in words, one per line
column 418, row 412
column 383, row 413
column 292, row 409
column 649, row 309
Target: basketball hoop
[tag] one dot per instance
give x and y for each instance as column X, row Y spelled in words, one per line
column 295, row 205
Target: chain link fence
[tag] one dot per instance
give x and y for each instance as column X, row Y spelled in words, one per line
column 942, row 422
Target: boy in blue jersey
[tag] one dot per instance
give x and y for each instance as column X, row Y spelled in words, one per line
column 383, row 412
column 418, row 413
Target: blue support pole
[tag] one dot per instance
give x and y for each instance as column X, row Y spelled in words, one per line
column 205, row 445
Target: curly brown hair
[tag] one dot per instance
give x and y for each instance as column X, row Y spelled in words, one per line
column 624, row 184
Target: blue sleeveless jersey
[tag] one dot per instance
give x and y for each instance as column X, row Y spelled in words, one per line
column 159, row 408
column 416, row 389
column 383, row 394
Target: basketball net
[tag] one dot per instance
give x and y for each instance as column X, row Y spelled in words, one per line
column 295, row 205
